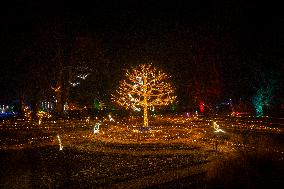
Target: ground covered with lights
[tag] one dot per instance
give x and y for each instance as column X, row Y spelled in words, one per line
column 175, row 151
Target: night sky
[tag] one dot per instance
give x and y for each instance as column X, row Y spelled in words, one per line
column 232, row 47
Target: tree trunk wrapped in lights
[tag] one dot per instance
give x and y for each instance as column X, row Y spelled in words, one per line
column 144, row 87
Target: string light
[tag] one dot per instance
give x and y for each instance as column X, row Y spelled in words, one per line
column 176, row 128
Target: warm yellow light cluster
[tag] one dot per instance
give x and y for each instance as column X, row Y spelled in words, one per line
column 144, row 87
column 27, row 113
column 41, row 115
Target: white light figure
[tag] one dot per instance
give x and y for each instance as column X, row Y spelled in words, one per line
column 74, row 84
column 110, row 118
column 83, row 76
column 217, row 128
column 97, row 128
column 60, row 144
column 27, row 113
column 88, row 119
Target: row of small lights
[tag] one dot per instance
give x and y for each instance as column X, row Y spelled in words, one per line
column 124, row 127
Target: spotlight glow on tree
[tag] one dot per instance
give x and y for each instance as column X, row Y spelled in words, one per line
column 144, row 87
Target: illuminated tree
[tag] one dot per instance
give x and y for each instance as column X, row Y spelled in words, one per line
column 262, row 99
column 266, row 86
column 144, row 87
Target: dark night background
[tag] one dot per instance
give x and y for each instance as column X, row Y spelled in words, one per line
column 215, row 50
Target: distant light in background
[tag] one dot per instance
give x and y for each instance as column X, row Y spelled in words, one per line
column 83, row 76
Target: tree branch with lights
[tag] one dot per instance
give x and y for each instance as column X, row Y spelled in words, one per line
column 144, row 87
